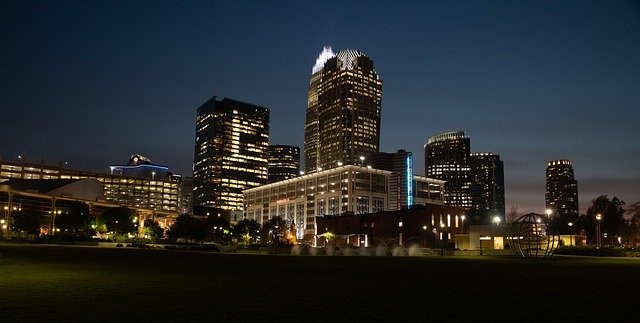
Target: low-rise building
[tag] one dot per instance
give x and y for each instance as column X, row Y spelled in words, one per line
column 348, row 189
column 126, row 185
column 429, row 225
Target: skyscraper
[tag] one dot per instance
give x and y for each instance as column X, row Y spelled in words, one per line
column 487, row 185
column 561, row 196
column 343, row 113
column 311, row 121
column 284, row 162
column 447, row 158
column 231, row 152
column 401, row 179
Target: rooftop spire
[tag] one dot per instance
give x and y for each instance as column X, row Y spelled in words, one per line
column 325, row 55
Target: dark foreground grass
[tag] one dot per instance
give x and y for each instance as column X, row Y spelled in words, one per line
column 100, row 284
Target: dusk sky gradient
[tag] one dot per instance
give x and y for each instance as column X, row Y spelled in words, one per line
column 92, row 82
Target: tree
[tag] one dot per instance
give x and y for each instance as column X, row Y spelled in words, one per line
column 119, row 220
column 187, row 227
column 27, row 222
column 152, row 229
column 217, row 229
column 512, row 215
column 274, row 229
column 76, row 220
column 633, row 225
column 247, row 230
column 612, row 222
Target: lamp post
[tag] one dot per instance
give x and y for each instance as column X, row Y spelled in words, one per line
column 463, row 217
column 570, row 233
column 361, row 160
column 3, row 226
column 275, row 239
column 442, row 239
column 496, row 220
column 424, row 230
column 598, row 219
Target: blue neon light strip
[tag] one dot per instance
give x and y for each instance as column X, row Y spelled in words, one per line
column 138, row 166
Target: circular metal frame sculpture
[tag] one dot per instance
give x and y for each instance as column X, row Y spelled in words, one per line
column 531, row 236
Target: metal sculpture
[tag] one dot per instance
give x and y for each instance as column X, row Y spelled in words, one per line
column 531, row 236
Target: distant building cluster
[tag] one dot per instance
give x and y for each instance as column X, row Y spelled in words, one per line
column 343, row 174
column 344, row 171
column 474, row 181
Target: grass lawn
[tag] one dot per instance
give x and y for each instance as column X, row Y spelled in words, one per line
column 39, row 282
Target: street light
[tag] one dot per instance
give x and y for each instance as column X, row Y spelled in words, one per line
column 496, row 220
column 598, row 218
column 424, row 229
column 442, row 239
column 361, row 160
column 570, row 233
column 548, row 212
column 463, row 217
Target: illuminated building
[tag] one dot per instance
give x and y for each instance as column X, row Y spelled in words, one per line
column 401, row 166
column 141, row 167
column 284, row 162
column 345, row 189
column 430, row 225
column 447, row 158
column 311, row 121
column 343, row 112
column 561, row 196
column 487, row 185
column 160, row 193
column 186, row 196
column 231, row 152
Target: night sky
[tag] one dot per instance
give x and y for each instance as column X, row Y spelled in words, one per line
column 92, row 82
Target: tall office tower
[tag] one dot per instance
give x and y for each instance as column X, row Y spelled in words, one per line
column 446, row 157
column 231, row 152
column 284, row 162
column 561, row 196
column 343, row 113
column 487, row 185
column 311, row 121
column 185, row 201
column 401, row 179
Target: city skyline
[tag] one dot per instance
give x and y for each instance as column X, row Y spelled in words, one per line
column 531, row 81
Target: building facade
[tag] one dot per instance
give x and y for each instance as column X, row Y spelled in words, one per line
column 487, row 185
column 160, row 194
column 311, row 120
column 186, row 196
column 284, row 162
column 343, row 112
column 345, row 189
column 447, row 158
column 401, row 166
column 431, row 225
column 561, row 195
column 231, row 152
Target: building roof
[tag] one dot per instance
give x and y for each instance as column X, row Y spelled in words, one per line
column 36, row 185
column 335, row 170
